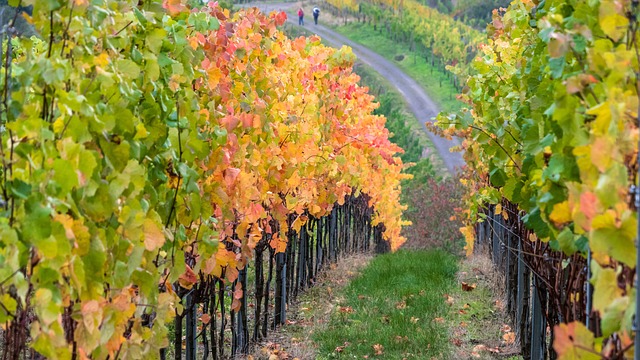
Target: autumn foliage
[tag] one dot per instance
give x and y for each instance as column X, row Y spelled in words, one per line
column 145, row 144
column 553, row 128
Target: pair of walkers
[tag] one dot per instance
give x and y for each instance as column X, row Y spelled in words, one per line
column 316, row 13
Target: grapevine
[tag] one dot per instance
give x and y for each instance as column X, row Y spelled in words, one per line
column 552, row 128
column 146, row 143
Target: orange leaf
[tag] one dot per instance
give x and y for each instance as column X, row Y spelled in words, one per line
column 205, row 318
column 188, row 279
column 378, row 349
column 237, row 294
column 588, row 202
column 574, row 342
column 509, row 337
column 174, row 7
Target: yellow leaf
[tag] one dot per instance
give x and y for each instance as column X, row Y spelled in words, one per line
column 611, row 20
column 469, row 237
column 153, row 236
column 58, row 125
column 101, row 60
column 561, row 213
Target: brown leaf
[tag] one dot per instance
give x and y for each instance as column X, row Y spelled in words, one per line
column 467, row 287
column 401, row 305
column 378, row 349
column 449, row 300
column 414, row 320
column 456, row 342
column 439, row 320
column 345, row 309
column 205, row 318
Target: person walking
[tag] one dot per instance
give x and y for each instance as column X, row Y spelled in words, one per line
column 316, row 13
column 300, row 17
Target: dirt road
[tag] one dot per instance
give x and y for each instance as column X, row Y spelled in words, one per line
column 419, row 102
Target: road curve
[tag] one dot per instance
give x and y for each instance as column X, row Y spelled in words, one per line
column 423, row 108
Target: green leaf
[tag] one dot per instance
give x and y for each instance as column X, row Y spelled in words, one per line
column 64, row 175
column 615, row 243
column 129, row 69
column 19, row 188
column 8, row 308
column 605, row 285
column 566, row 240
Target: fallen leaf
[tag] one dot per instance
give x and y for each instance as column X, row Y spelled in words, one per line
column 378, row 349
column 467, row 287
column 414, row 320
column 449, row 300
column 399, row 339
column 509, row 337
column 401, row 305
column 346, row 309
column 456, row 342
column 439, row 320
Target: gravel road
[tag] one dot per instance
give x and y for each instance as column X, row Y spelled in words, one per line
column 419, row 102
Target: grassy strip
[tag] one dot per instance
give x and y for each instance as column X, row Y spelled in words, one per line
column 430, row 78
column 394, row 310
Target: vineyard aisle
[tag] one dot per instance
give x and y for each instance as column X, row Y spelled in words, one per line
column 423, row 108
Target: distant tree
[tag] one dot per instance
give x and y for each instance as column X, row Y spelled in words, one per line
column 477, row 12
column 8, row 13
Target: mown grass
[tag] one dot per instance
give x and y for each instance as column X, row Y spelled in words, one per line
column 433, row 80
column 395, row 309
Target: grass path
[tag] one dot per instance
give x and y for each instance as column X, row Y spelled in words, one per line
column 394, row 310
